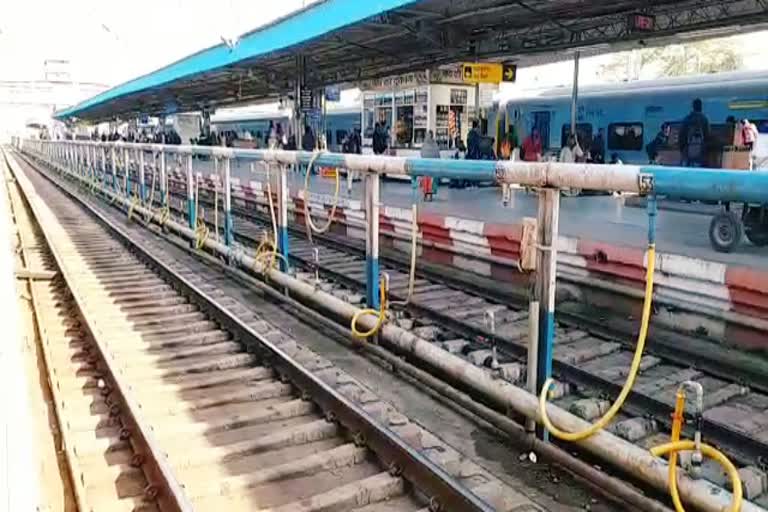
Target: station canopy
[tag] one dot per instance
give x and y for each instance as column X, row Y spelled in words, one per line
column 344, row 42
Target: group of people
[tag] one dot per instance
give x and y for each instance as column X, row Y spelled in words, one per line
column 695, row 137
column 590, row 151
column 142, row 137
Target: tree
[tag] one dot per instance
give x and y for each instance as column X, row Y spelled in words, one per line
column 713, row 56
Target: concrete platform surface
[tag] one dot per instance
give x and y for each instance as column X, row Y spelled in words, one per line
column 598, row 218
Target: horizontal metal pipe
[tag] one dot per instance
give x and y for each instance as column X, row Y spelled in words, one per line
column 678, row 182
column 634, row 459
column 451, row 397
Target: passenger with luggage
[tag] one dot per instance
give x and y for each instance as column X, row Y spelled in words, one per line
column 661, row 140
column 693, row 137
column 429, row 149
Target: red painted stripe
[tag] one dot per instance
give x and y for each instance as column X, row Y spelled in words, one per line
column 614, row 260
column 386, row 224
column 504, row 239
column 746, row 278
column 748, row 289
column 433, row 228
column 434, row 255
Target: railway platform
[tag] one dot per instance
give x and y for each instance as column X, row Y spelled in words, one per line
column 19, row 461
column 620, row 221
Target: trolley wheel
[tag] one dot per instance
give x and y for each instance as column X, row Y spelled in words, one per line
column 725, row 231
column 755, row 227
column 757, row 237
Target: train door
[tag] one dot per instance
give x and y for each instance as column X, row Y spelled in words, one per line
column 541, row 120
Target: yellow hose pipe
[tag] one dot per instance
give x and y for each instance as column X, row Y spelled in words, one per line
column 307, row 216
column 381, row 314
column 708, row 451
column 633, row 370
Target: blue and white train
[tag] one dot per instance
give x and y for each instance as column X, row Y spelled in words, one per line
column 339, row 123
column 631, row 113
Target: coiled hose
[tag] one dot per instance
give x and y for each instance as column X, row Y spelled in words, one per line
column 268, row 246
column 675, row 445
column 381, row 314
column 414, row 254
column 634, row 367
column 311, row 227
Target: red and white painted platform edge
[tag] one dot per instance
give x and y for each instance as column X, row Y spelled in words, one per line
column 726, row 293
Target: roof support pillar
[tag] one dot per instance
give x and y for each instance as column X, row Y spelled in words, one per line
column 575, row 92
column 300, row 84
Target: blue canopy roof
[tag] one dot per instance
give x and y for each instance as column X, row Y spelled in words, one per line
column 345, row 41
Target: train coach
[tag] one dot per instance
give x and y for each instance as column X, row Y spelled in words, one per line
column 631, row 115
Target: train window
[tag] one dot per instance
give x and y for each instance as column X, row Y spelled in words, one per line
column 625, row 136
column 583, row 132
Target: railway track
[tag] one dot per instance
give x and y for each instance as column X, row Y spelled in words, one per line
column 235, row 420
column 590, row 362
column 455, row 319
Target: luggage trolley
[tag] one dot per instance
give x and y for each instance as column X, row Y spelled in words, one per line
column 728, row 227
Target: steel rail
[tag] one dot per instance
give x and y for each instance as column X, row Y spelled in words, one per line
column 426, row 476
column 169, row 492
column 743, row 447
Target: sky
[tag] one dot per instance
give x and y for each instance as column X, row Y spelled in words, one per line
column 111, row 42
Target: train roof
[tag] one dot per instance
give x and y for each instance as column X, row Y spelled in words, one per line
column 246, row 115
column 688, row 84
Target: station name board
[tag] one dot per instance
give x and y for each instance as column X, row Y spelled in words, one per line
column 450, row 76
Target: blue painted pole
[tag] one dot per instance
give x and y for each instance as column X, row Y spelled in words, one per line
column 546, row 273
column 372, row 287
column 126, row 173
column 113, row 157
column 163, row 180
column 142, row 178
column 229, row 228
column 283, row 196
column 191, row 199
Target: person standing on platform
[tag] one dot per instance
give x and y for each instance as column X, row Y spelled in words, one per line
column 508, row 144
column 429, row 149
column 694, row 135
column 532, row 148
column 660, row 141
column 597, row 149
column 308, row 141
column 473, row 142
column 749, row 135
column 571, row 152
column 379, row 139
